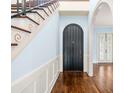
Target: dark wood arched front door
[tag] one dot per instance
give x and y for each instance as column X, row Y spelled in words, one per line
column 73, row 48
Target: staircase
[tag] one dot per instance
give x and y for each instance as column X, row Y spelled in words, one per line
column 25, row 24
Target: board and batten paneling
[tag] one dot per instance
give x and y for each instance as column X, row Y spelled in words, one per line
column 41, row 80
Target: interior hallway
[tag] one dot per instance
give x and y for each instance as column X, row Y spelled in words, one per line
column 78, row 82
column 53, row 36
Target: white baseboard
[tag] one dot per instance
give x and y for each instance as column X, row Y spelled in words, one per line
column 104, row 61
column 53, row 83
column 41, row 80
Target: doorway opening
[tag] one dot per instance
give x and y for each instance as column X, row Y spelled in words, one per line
column 101, row 47
column 103, row 37
column 73, row 48
column 104, row 49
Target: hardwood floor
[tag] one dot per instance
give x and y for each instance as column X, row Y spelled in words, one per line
column 79, row 82
column 74, row 82
column 103, row 77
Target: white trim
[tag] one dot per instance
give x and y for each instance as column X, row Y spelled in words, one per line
column 53, row 83
column 104, row 62
column 91, row 27
column 105, row 32
column 25, row 83
column 61, row 63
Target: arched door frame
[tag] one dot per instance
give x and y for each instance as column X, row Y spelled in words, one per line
column 91, row 31
column 82, row 42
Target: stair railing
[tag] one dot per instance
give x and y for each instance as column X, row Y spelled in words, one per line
column 28, row 5
column 23, row 8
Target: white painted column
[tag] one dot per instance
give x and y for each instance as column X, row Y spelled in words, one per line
column 90, row 51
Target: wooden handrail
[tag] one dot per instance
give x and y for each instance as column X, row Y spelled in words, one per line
column 20, row 29
column 14, row 44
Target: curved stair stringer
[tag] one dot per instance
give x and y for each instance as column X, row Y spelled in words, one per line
column 20, row 46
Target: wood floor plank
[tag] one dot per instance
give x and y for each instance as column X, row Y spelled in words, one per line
column 79, row 82
column 103, row 77
column 74, row 82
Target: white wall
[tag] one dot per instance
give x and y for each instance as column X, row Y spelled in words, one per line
column 40, row 50
column 40, row 80
column 99, row 29
column 80, row 20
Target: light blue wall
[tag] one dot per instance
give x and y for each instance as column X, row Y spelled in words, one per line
column 40, row 50
column 99, row 29
column 80, row 20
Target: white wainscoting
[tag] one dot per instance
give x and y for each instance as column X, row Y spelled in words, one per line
column 41, row 80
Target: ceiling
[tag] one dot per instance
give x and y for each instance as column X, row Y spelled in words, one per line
column 74, row 7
